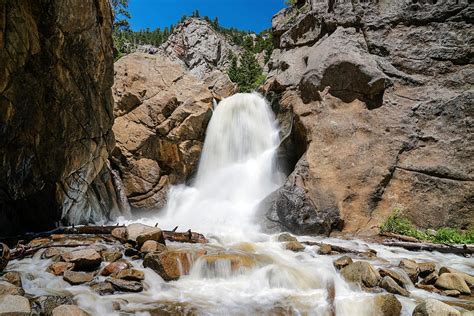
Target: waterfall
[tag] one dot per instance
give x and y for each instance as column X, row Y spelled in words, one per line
column 236, row 171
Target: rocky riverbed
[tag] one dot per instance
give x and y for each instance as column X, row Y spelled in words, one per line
column 134, row 270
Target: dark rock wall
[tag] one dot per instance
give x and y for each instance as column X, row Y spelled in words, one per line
column 56, row 113
column 383, row 93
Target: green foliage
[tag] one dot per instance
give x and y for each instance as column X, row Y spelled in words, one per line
column 248, row 75
column 398, row 224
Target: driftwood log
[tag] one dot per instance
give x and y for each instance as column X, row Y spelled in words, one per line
column 339, row 248
column 400, row 237
column 443, row 248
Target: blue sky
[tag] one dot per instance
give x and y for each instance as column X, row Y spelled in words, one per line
column 253, row 15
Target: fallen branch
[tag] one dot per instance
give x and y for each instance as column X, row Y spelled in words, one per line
column 339, row 248
column 400, row 237
column 443, row 248
column 22, row 251
column 189, row 237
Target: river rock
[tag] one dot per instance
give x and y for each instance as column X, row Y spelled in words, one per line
column 171, row 264
column 120, row 233
column 453, row 293
column 116, row 267
column 286, row 237
column 154, row 234
column 58, row 268
column 78, row 277
column 4, row 256
column 44, row 305
column 428, row 287
column 125, row 286
column 468, row 278
column 361, row 272
column 68, row 310
column 294, row 246
column 238, row 261
column 12, row 277
column 130, row 275
column 432, row 307
column 387, row 305
column 7, row 288
column 14, row 305
column 342, row 262
column 85, row 259
column 53, row 253
column 152, row 246
column 411, row 268
column 426, row 268
column 452, row 281
column 430, row 278
column 401, row 280
column 58, row 170
column 391, row 286
column 111, row 256
column 325, row 249
column 103, row 288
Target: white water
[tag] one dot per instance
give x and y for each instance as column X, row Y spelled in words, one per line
column 236, row 171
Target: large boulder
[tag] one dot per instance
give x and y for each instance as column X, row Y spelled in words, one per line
column 377, row 98
column 361, row 272
column 171, row 264
column 161, row 114
column 432, row 307
column 387, row 305
column 56, row 114
column 453, row 281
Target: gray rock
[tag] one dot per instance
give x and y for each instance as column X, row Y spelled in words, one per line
column 432, row 307
column 14, row 305
column 391, row 286
column 44, row 305
column 401, row 279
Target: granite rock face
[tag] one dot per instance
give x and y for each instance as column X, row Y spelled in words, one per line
column 161, row 114
column 377, row 99
column 56, row 113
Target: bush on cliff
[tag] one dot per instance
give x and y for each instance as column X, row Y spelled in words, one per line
column 248, row 75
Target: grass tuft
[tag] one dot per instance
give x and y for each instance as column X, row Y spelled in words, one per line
column 397, row 223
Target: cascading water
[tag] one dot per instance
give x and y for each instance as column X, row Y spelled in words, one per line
column 237, row 170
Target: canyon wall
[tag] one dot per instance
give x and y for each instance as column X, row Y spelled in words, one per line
column 379, row 100
column 56, row 113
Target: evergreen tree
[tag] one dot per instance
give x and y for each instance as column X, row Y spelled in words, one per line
column 248, row 75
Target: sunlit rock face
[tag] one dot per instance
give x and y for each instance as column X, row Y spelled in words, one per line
column 55, row 113
column 378, row 98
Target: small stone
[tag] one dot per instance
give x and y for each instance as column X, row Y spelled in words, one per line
column 54, row 253
column 325, row 249
column 387, row 305
column 391, row 286
column 411, row 268
column 293, row 246
column 286, row 237
column 84, row 260
column 426, row 268
column 111, row 256
column 432, row 307
column 76, row 277
column 152, row 246
column 68, row 310
column 453, row 293
column 120, row 233
column 401, row 280
column 430, row 278
column 7, row 288
column 44, row 305
column 4, row 256
column 151, row 234
column 452, row 281
column 125, row 286
column 361, row 272
column 14, row 305
column 58, row 268
column 115, row 267
column 103, row 288
column 12, row 277
column 130, row 275
column 428, row 287
column 342, row 262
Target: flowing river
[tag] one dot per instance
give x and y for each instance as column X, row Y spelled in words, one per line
column 237, row 170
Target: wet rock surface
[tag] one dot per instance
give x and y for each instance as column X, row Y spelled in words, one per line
column 361, row 272
column 14, row 305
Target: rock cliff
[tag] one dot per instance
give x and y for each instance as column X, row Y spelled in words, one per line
column 56, row 113
column 377, row 100
column 161, row 114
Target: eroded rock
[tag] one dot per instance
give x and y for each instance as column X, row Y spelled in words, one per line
column 68, row 310
column 361, row 272
column 452, row 281
column 432, row 307
column 391, row 286
column 78, row 277
column 342, row 262
column 84, row 259
column 171, row 264
column 14, row 305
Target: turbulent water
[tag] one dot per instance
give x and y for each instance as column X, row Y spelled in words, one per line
column 237, row 170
